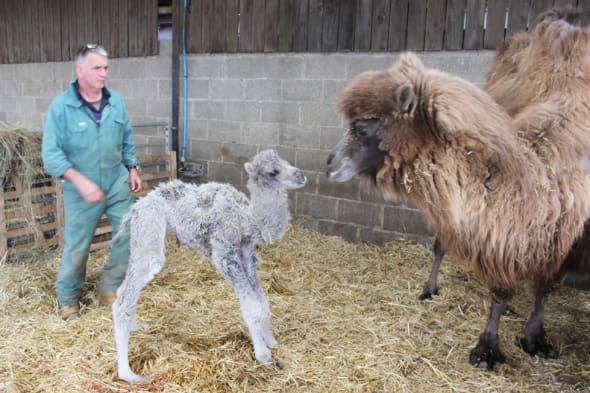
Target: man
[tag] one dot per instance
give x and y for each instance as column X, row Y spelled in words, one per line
column 88, row 143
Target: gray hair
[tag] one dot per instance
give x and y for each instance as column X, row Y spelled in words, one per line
column 83, row 51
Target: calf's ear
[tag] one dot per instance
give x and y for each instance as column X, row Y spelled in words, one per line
column 406, row 99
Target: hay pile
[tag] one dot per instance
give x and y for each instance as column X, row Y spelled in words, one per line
column 346, row 316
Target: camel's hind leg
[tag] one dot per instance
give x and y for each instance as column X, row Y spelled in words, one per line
column 254, row 312
column 146, row 260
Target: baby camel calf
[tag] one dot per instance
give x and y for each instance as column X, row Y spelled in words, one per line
column 223, row 225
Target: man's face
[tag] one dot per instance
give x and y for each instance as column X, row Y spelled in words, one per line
column 93, row 72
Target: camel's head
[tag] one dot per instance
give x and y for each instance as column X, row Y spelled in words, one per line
column 376, row 105
column 270, row 171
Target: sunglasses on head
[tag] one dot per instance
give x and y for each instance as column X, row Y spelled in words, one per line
column 96, row 48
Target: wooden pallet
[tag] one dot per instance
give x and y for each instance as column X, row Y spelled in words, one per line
column 42, row 226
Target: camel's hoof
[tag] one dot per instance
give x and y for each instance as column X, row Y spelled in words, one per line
column 133, row 378
column 487, row 357
column 428, row 293
column 537, row 347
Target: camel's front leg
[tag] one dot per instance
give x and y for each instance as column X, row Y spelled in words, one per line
column 486, row 353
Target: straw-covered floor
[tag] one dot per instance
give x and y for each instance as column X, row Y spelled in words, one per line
column 347, row 317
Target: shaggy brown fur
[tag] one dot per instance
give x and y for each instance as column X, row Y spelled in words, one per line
column 531, row 68
column 508, row 198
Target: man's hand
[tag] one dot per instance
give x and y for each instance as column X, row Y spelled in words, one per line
column 134, row 180
column 86, row 187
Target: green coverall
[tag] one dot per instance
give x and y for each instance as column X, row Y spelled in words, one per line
column 101, row 151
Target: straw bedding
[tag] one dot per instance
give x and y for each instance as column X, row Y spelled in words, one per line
column 346, row 316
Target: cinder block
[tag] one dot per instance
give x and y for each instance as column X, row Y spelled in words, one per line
column 349, row 190
column 224, row 131
column 260, row 134
column 204, row 150
column 331, row 92
column 197, row 88
column 245, row 66
column 407, row 221
column 227, row 89
column 364, row 214
column 357, row 63
column 243, row 111
column 281, row 112
column 283, row 66
column 206, row 109
column 325, row 66
column 314, row 114
column 330, row 136
column 225, row 173
column 311, row 159
column 146, row 89
column 376, row 236
column 298, row 136
column 301, row 90
column 317, row 206
column 237, row 153
column 158, row 68
column 346, row 231
column 159, row 108
column 263, row 89
column 206, row 67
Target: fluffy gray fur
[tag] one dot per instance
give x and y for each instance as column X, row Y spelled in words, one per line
column 223, row 225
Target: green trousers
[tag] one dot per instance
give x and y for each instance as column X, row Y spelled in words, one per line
column 81, row 220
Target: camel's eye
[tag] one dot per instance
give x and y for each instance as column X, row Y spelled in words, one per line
column 358, row 128
column 274, row 173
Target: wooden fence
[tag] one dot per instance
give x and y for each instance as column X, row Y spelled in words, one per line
column 359, row 25
column 42, row 30
column 19, row 232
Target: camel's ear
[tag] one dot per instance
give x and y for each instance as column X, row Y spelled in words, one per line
column 406, row 98
column 411, row 60
column 249, row 168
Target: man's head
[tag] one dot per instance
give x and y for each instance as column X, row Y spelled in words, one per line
column 92, row 66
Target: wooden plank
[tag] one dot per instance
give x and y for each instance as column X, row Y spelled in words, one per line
column 314, row 29
column 30, row 230
column 194, row 34
column 398, row 24
column 45, row 243
column 3, row 239
column 494, row 33
column 218, row 28
column 123, row 32
column 3, row 40
column 362, row 31
column 330, row 19
column 416, row 25
column 583, row 5
column 286, row 25
column 380, row 25
column 300, row 22
column 137, row 27
column 207, row 25
column 518, row 12
column 35, row 191
column 246, row 41
column 454, row 25
column 538, row 7
column 346, row 25
column 565, row 3
column 152, row 28
column 271, row 26
column 435, row 25
column 258, row 26
column 474, row 24
column 59, row 213
column 232, row 11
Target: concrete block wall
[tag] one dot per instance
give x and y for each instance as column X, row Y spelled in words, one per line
column 27, row 90
column 239, row 104
column 242, row 103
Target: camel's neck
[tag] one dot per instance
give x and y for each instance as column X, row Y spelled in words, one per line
column 270, row 213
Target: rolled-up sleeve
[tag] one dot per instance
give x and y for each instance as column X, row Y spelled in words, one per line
column 54, row 158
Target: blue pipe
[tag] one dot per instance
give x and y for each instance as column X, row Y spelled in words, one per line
column 185, row 84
